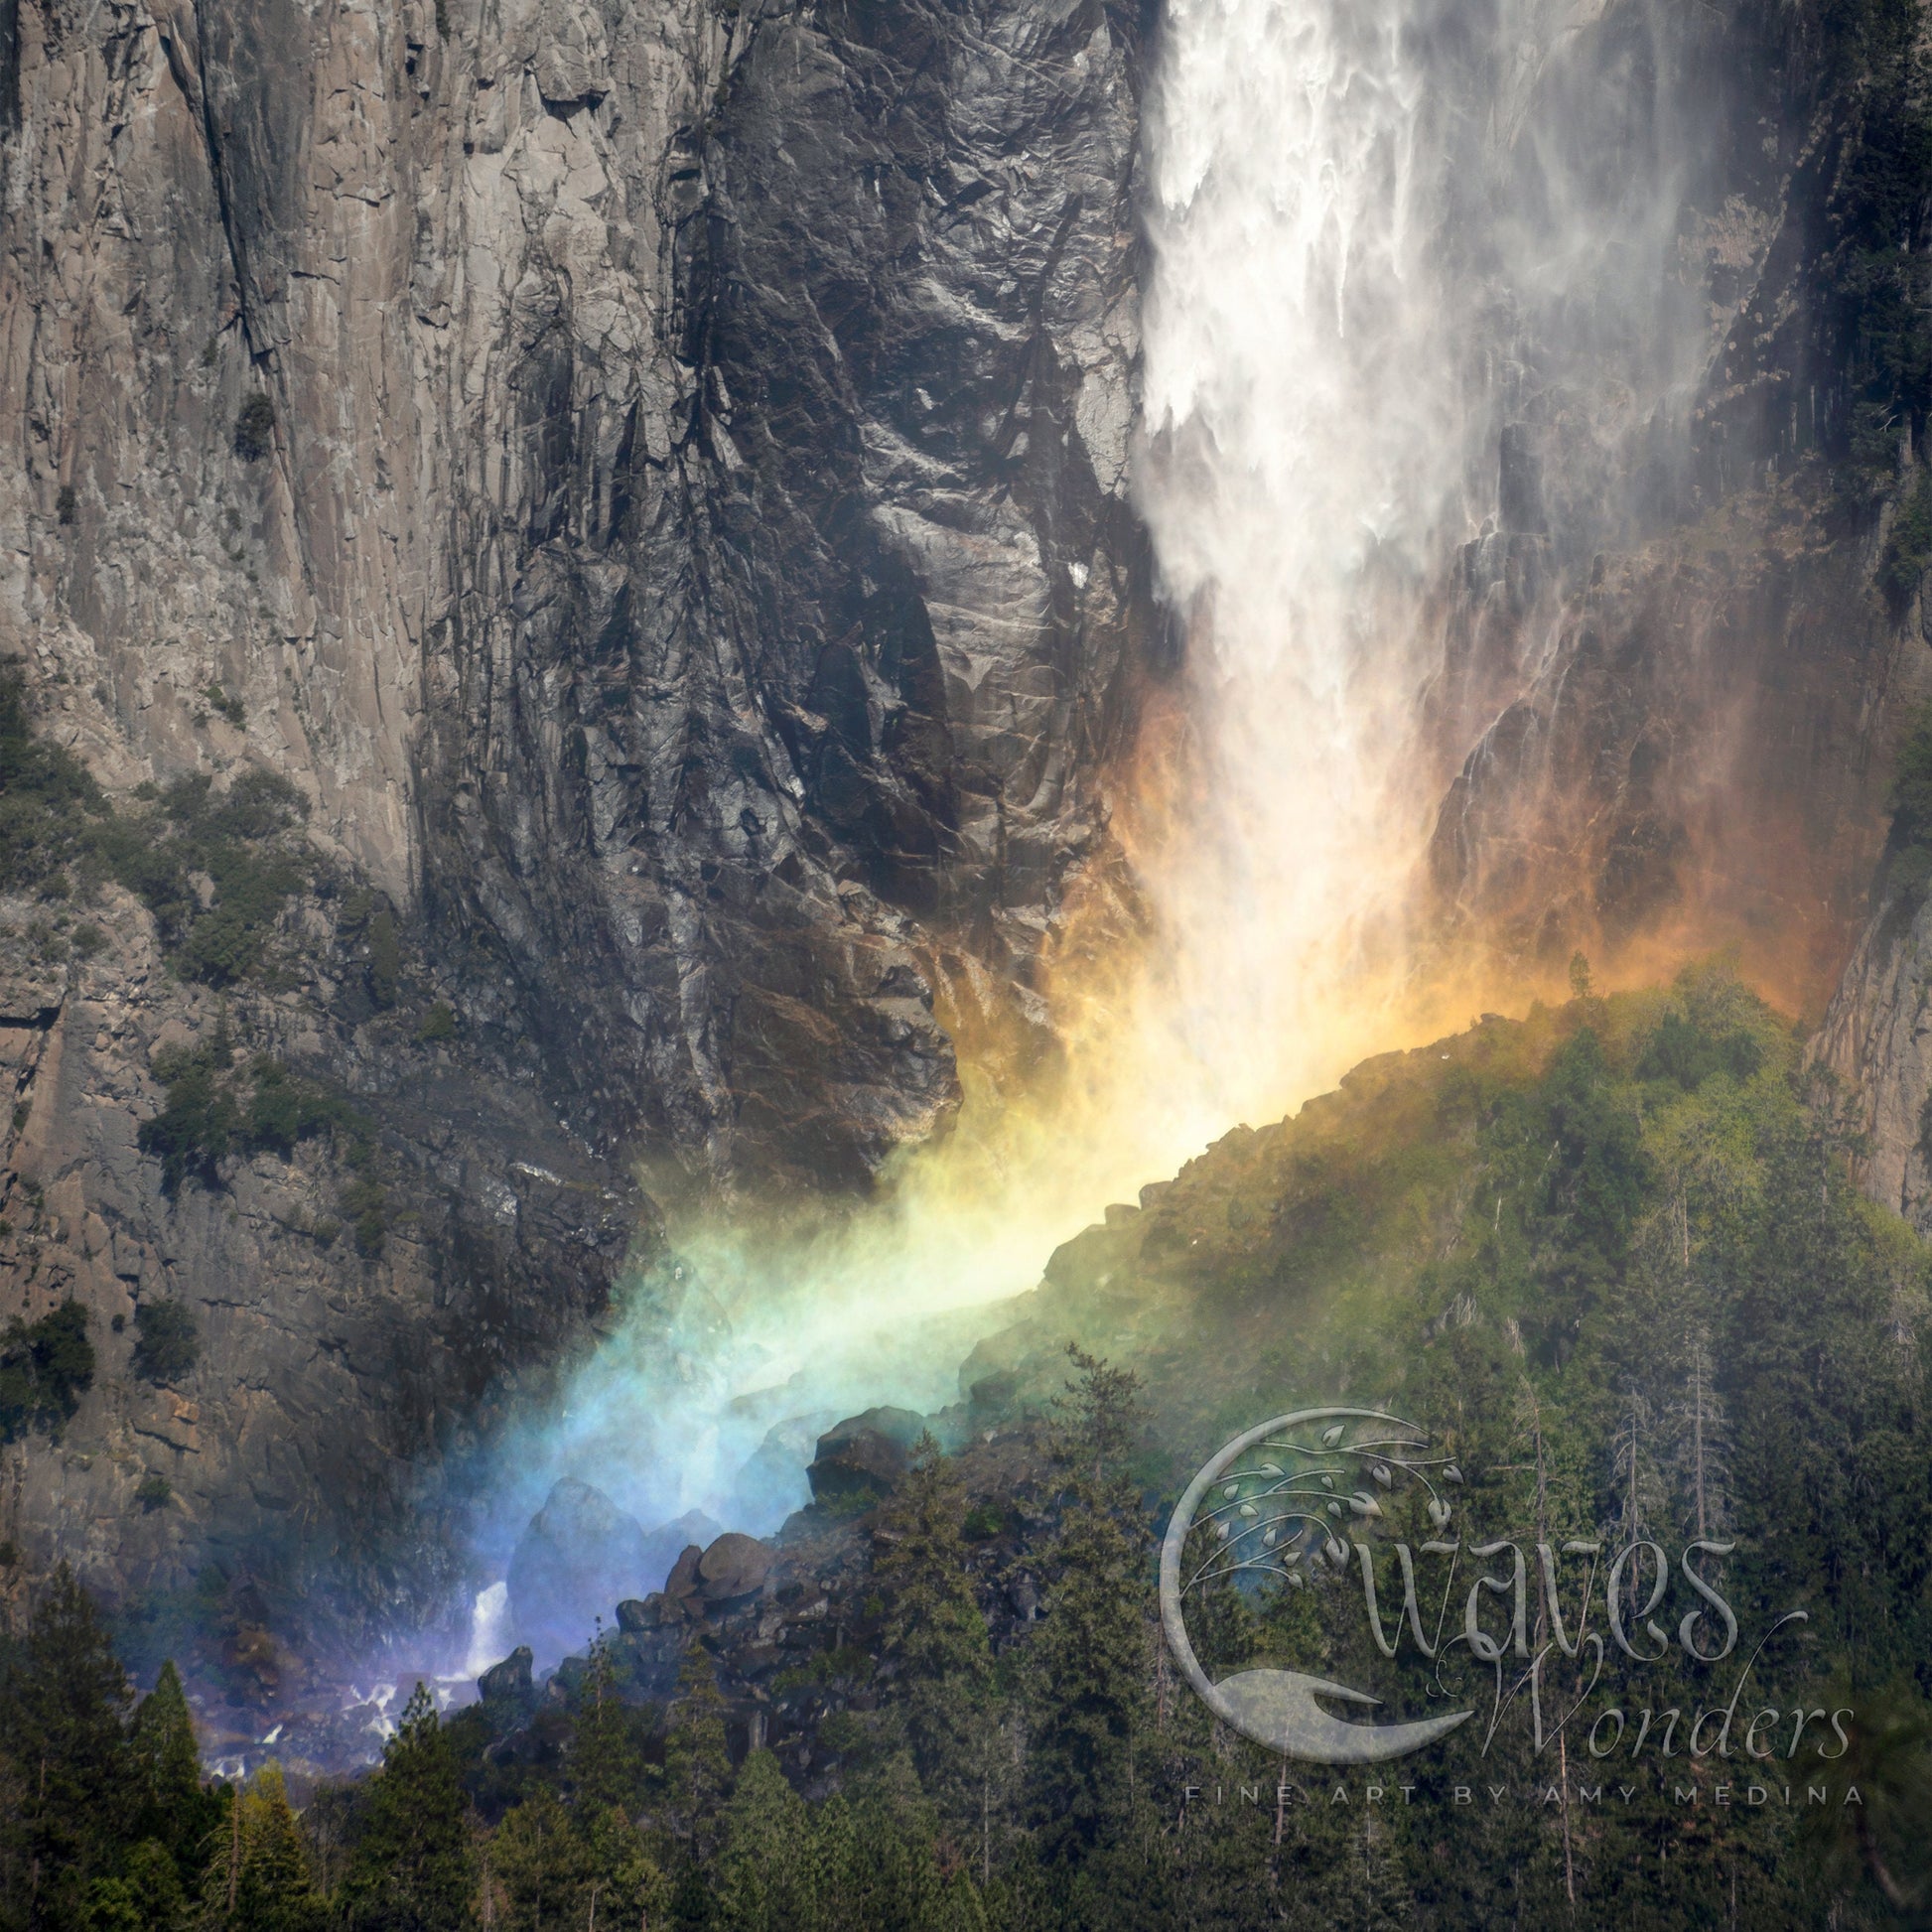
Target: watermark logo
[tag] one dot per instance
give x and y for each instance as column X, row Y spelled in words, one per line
column 1278, row 1502
column 1308, row 1502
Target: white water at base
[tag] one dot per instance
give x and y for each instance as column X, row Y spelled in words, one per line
column 489, row 1629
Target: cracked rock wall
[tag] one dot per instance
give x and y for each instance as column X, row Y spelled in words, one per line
column 688, row 558
column 653, row 476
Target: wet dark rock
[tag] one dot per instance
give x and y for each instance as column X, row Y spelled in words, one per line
column 663, row 1544
column 863, row 1458
column 733, row 1569
column 683, row 1579
column 509, row 1682
column 764, row 686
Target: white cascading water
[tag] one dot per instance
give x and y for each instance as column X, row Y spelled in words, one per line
column 1303, row 460
column 1314, row 446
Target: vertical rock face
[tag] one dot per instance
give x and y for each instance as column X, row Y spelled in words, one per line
column 1670, row 681
column 1877, row 1039
column 683, row 545
column 653, row 476
column 359, row 1309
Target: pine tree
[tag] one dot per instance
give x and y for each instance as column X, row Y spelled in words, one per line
column 411, row 1870
column 697, row 1764
column 259, row 1881
column 936, row 1629
column 764, row 1866
column 176, row 1809
column 961, row 1909
column 894, row 1878
column 834, row 1860
column 540, row 1867
column 65, row 1706
column 627, row 1887
column 603, row 1761
column 152, row 1880
column 1087, row 1664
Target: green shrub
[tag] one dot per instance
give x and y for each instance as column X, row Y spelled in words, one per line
column 57, row 828
column 64, row 503
column 45, row 1366
column 229, row 708
column 48, row 802
column 438, row 1024
column 169, row 1342
column 254, row 428
column 386, row 959
column 362, row 1204
column 152, row 1491
column 87, row 939
column 211, row 1112
column 201, row 1120
column 1681, row 1051
column 982, row 1521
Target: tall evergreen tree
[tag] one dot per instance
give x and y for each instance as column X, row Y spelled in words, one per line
column 893, row 1881
column 539, row 1867
column 627, row 1887
column 411, row 1870
column 146, row 1896
column 176, row 1809
column 1088, row 1664
column 259, row 1881
column 66, row 1708
column 936, row 1629
column 697, row 1764
column 603, row 1762
column 765, row 1875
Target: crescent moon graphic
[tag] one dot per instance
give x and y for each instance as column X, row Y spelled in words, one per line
column 1277, row 1707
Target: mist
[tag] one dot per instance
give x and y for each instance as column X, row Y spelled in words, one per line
column 1414, row 284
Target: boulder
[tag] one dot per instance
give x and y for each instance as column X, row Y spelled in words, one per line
column 683, row 1579
column 663, row 1544
column 863, row 1458
column 509, row 1681
column 733, row 1568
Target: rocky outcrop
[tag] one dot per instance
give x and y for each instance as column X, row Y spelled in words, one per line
column 858, row 1461
column 361, row 1308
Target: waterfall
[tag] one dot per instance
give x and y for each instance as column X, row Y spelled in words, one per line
column 1392, row 242
column 489, row 1632
column 1302, row 467
column 1381, row 232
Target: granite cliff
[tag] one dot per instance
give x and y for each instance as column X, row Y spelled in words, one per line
column 655, row 483
column 653, row 480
